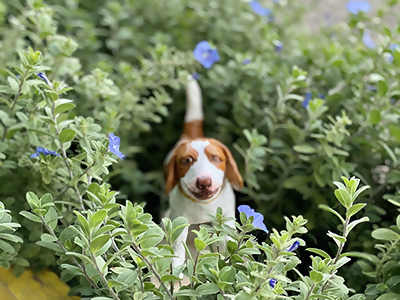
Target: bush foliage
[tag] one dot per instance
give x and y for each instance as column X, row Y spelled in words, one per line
column 299, row 110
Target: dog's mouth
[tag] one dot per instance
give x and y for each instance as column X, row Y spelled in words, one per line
column 204, row 194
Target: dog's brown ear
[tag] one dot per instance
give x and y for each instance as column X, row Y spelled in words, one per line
column 231, row 171
column 170, row 172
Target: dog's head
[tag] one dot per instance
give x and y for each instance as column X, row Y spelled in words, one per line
column 200, row 167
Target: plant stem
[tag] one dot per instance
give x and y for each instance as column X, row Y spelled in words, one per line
column 14, row 103
column 102, row 278
column 310, row 291
column 340, row 249
column 151, row 267
column 65, row 251
column 65, row 157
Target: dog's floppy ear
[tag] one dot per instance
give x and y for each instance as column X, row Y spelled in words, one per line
column 170, row 172
column 231, row 171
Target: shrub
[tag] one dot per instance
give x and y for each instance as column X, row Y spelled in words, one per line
column 300, row 110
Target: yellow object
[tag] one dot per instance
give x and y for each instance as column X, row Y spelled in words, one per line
column 44, row 285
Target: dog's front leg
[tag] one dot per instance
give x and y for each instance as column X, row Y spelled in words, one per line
column 179, row 249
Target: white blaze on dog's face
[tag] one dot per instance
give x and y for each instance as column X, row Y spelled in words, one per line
column 200, row 167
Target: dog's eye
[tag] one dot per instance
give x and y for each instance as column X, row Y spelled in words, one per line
column 187, row 160
column 216, row 159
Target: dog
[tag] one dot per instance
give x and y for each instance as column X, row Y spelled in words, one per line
column 200, row 174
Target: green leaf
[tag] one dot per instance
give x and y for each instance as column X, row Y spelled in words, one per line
column 45, row 237
column 67, row 234
column 306, row 149
column 389, row 296
column 99, row 242
column 319, row 252
column 232, row 246
column 169, row 277
column 151, row 237
column 207, row 289
column 67, row 135
column 343, row 197
column 14, row 84
column 6, row 247
column 178, row 225
column 331, row 210
column 355, row 209
column 81, row 256
column 385, row 234
column 356, row 222
column 82, row 222
column 63, row 105
column 30, row 216
column 50, row 245
column 375, row 116
column 98, row 217
column 337, row 238
column 200, row 245
column 316, row 276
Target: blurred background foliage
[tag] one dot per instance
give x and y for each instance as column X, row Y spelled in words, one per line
column 128, row 62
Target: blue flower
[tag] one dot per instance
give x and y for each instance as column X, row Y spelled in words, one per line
column 206, row 55
column 372, row 88
column 321, row 96
column 293, row 247
column 306, row 100
column 43, row 76
column 196, row 75
column 278, row 46
column 259, row 9
column 392, row 47
column 272, row 282
column 114, row 145
column 355, row 7
column 258, row 219
column 368, row 40
column 246, row 61
column 44, row 151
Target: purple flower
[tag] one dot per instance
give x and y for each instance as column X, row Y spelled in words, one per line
column 293, row 247
column 43, row 76
column 306, row 100
column 196, row 75
column 44, row 151
column 272, row 282
column 258, row 219
column 259, row 9
column 246, row 61
column 206, row 55
column 355, row 7
column 278, row 46
column 114, row 145
column 392, row 47
column 368, row 40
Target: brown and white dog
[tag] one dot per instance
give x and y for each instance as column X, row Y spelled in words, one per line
column 199, row 173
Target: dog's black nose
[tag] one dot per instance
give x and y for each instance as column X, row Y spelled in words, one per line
column 203, row 183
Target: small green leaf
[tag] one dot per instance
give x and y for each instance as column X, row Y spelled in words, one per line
column 355, row 209
column 306, row 149
column 316, row 276
column 207, row 289
column 99, row 242
column 67, row 135
column 6, row 247
column 200, row 245
column 319, row 252
column 98, row 217
column 169, row 277
column 375, row 117
column 331, row 210
column 30, row 216
column 385, row 234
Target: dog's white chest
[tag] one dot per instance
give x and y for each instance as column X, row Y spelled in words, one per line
column 197, row 213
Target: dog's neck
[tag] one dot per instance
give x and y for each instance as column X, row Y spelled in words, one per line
column 197, row 212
